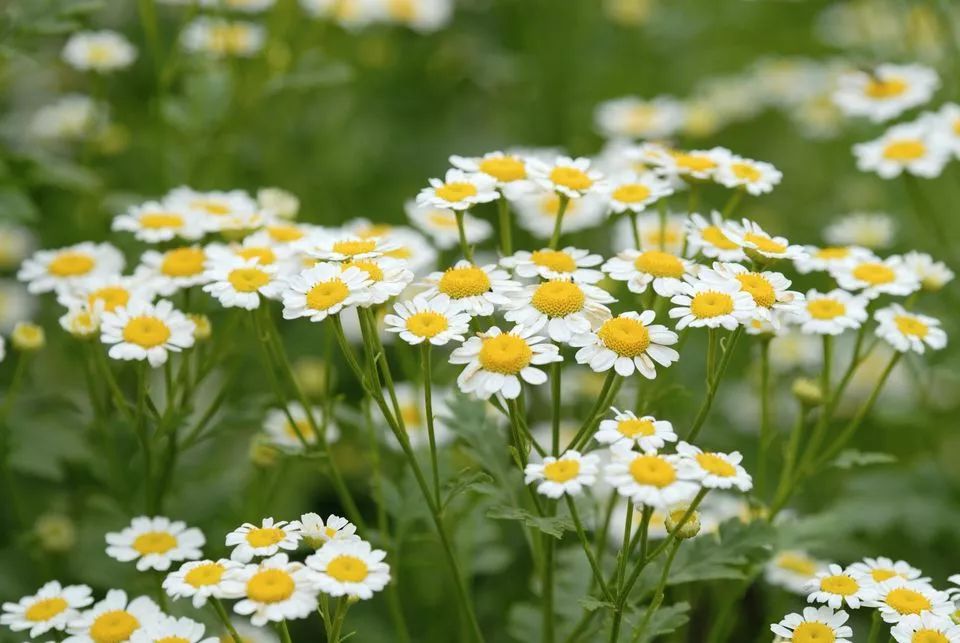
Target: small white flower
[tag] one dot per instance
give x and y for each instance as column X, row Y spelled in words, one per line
column 441, row 225
column 897, row 598
column 634, row 192
column 646, row 432
column 710, row 239
column 388, row 277
column 695, row 164
column 498, row 362
column 239, row 283
column 570, row 177
column 656, row 233
column 249, row 540
column 316, row 531
column 222, row 38
column 473, row 289
column 459, row 191
column 274, row 590
column 509, row 171
column 933, row 275
column 51, row 608
column 816, row 624
column 829, row 258
column 283, row 204
column 874, row 277
column 142, row 331
column 155, row 543
column 199, row 580
column 756, row 177
column 871, row 230
column 712, row 304
column 168, row 629
column 650, row 479
column 945, row 125
column 566, row 475
column 49, row 270
column 282, row 258
column 172, row 270
column 641, row 268
column 876, row 570
column 769, row 290
column 105, row 293
column 217, row 210
column 350, row 568
column 113, row 619
column 635, row 118
column 324, row 290
column 537, row 213
column 835, row 586
column 562, row 307
column 570, row 263
column 81, row 322
column 907, row 331
column 100, row 51
column 714, row 470
column 918, row 628
column 751, row 237
column 338, row 246
column 287, row 437
column 422, row 319
column 832, row 312
column 627, row 343
column 153, row 222
column 885, row 92
column 792, row 570
column 907, row 147
column 72, row 117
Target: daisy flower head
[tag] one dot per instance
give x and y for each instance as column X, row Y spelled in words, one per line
column 793, row 570
column 459, row 190
column 933, row 275
column 755, row 177
column 174, row 269
column 323, row 290
column 814, row 624
column 51, row 608
column 926, row 628
column 907, row 147
column 115, row 618
column 350, row 568
column 99, row 51
column 631, row 117
column 239, row 283
column 710, row 239
column 153, row 222
column 634, row 192
column 428, row 319
column 908, row 331
column 280, row 202
column 874, row 277
column 873, row 230
column 946, row 125
column 831, row 313
column 835, row 587
column 81, row 322
column 105, row 293
column 216, row 210
column 509, row 171
column 627, row 343
column 337, row 246
column 249, row 540
column 537, row 213
column 664, row 271
column 260, row 246
column 566, row 176
column 221, row 38
column 275, row 589
column 752, row 238
column 647, row 432
column 167, row 629
column 413, row 248
column 695, row 164
column 441, row 225
column 769, row 290
column 897, row 598
column 498, row 362
column 155, row 543
column 144, row 331
column 655, row 232
column 650, row 478
column 317, row 532
column 713, row 304
column 820, row 259
column 200, row 580
column 885, row 92
column 569, row 263
column 473, row 289
column 48, row 270
column 877, row 570
column 566, row 475
column 388, row 277
column 715, row 470
column 561, row 306
column 290, row 437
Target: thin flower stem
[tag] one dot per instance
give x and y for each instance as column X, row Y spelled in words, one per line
column 790, row 460
column 338, row 618
column 558, row 223
column 549, row 546
column 556, row 371
column 823, row 422
column 875, row 627
column 634, row 230
column 732, row 202
column 658, row 592
column 587, row 549
column 119, row 399
column 428, row 409
column 144, row 436
column 225, row 619
column 506, row 231
column 765, row 437
column 598, row 409
column 625, row 547
column 285, row 633
column 713, row 385
column 462, row 234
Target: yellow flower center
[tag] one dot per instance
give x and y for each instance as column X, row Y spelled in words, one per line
column 285, row 233
column 652, row 470
column 833, row 253
column 825, row 308
column 248, row 279
column 907, row 601
column 374, row 272
column 631, row 193
column 558, row 298
column 352, row 248
column 841, row 584
column 411, row 416
column 659, row 237
column 154, row 542
column 759, row 288
column 112, row 297
column 714, row 464
column 887, row 88
column 216, row 208
column 183, row 262
column 632, row 427
column 270, row 586
column 264, row 255
column 694, row 162
column 45, row 609
column 715, row 237
column 625, row 336
column 764, row 243
column 443, row 219
column 172, row 639
column 880, row 575
column 813, row 633
column 347, row 569
column 265, row 536
column 905, row 150
column 161, row 220
column 929, row 636
column 146, row 331
column 71, row 264
column 505, row 354
column 114, row 626
column 571, row 178
column 456, row 191
column 504, row 168
column 100, row 53
column 555, row 260
column 229, row 38
column 911, row 326
column 874, row 273
column 468, row 281
column 797, row 564
column 427, row 324
column 402, row 252
column 327, row 294
column 746, row 172
column 402, row 10
column 711, row 304
column 639, row 118
column 659, row 264
column 561, row 470
column 298, row 429
column 205, row 574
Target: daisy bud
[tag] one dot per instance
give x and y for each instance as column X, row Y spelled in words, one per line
column 262, row 453
column 807, row 392
column 56, row 532
column 27, row 336
column 689, row 529
column 203, row 328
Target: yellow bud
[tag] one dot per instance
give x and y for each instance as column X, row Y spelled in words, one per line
column 689, row 529
column 27, row 336
column 262, row 453
column 203, row 328
column 807, row 392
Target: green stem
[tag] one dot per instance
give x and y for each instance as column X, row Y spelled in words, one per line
column 506, row 232
column 285, row 633
column 558, row 223
column 765, row 437
column 658, row 592
column 713, row 385
column 599, row 408
column 634, row 230
column 732, row 202
column 462, row 234
column 556, row 370
column 144, row 436
column 587, row 549
column 549, row 545
column 875, row 626
column 428, row 409
column 225, row 619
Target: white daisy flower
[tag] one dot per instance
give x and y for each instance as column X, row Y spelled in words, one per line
column 835, row 587
column 815, row 624
column 897, row 598
column 51, row 608
column 695, row 164
column 223, row 38
column 285, row 234
column 497, row 362
column 72, row 117
column 752, row 237
column 113, row 619
column 634, row 192
column 907, row 331
column 926, row 628
column 885, row 92
column 317, row 532
column 756, row 177
column 168, row 629
column 249, row 540
column 626, row 343
column 350, row 568
column 472, row 288
column 831, row 313
column 324, row 290
column 819, row 259
column 647, row 432
column 155, row 543
column 655, row 233
column 867, row 229
column 907, row 147
column 945, row 124
column 650, row 479
column 509, row 171
column 769, row 290
column 216, row 210
column 280, row 202
column 434, row 319
column 49, row 270
column 570, row 263
column 537, row 213
column 199, row 580
column 411, row 402
column 81, row 322
column 239, row 283
column 174, row 269
column 286, row 436
column 878, row 570
column 641, row 268
column 142, row 331
column 105, row 293
column 933, row 275
column 275, row 590
column 99, row 51
column 635, row 118
column 412, row 247
column 337, row 246
column 564, row 308
column 388, row 277
column 153, row 222
column 793, row 570
column 874, row 277
column 715, row 470
column 441, row 225
column 459, row 191
column 712, row 304
column 570, row 177
column 710, row 239
column 566, row 475
column 260, row 246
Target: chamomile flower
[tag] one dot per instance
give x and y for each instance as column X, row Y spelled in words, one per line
column 655, row 232
column 509, row 171
column 907, row 331
column 259, row 246
column 48, row 270
column 115, row 618
column 99, row 51
column 566, row 475
column 473, row 289
column 199, row 580
column 647, row 432
column 241, row 283
column 441, row 225
column 569, row 263
column 498, row 362
column 878, row 570
column 153, row 222
column 907, row 147
column 714, row 470
column 411, row 246
column 926, row 628
column 635, row 118
column 650, row 479
column 142, row 331
column 885, row 92
column 831, row 313
column 563, row 307
column 249, row 540
column 756, row 177
column 835, row 587
column 634, row 192
column 874, row 277
column 713, row 304
column 897, row 598
column 537, row 213
column 769, row 290
column 81, row 322
column 428, row 319
column 217, row 210
column 388, row 277
column 289, row 436
column 155, row 543
column 793, row 570
column 350, row 568
column 105, row 293
column 346, row 247
column 51, row 608
column 221, row 38
column 933, row 275
column 819, row 259
column 815, row 624
column 275, row 590
column 459, row 191
column 627, row 343
column 167, row 629
column 946, row 125
column 280, row 202
column 317, row 532
column 695, row 164
column 752, row 238
column 642, row 268
column 174, row 269
column 72, row 117
column 566, row 176
column 324, row 290
column 871, row 230
column 710, row 239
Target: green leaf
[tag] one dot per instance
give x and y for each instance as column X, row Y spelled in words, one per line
column 16, row 205
column 591, row 603
column 722, row 555
column 466, row 480
column 851, row 458
column 552, row 525
column 667, row 619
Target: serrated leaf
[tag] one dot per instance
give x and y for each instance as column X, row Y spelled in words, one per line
column 851, row 458
column 665, row 620
column 466, row 480
column 552, row 525
column 591, row 603
column 723, row 555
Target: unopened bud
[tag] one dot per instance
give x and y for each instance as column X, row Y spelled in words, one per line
column 807, row 391
column 27, row 336
column 262, row 453
column 688, row 529
column 202, row 327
